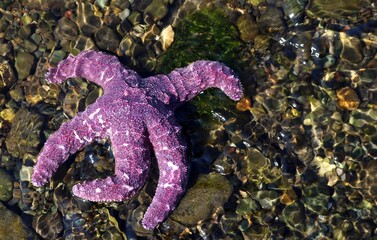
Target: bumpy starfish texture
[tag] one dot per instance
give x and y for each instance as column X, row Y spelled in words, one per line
column 137, row 114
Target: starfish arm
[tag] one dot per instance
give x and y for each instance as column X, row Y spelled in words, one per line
column 183, row 84
column 68, row 139
column 97, row 67
column 170, row 151
column 132, row 160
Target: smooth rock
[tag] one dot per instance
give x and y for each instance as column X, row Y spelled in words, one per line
column 24, row 63
column 7, row 77
column 347, row 98
column 247, row 27
column 107, row 39
column 294, row 216
column 340, row 9
column 87, row 21
column 24, row 136
column 48, row 225
column 11, row 226
column 82, row 43
column 167, row 37
column 157, row 9
column 351, row 49
column 201, row 200
column 29, row 45
column 102, row 3
column 270, row 19
column 7, row 114
column 66, row 29
column 6, row 186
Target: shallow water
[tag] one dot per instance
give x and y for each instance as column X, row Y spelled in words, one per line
column 294, row 159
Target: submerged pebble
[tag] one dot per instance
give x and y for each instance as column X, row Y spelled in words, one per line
column 248, row 27
column 7, row 78
column 347, row 98
column 341, row 10
column 6, row 186
column 11, row 225
column 48, row 225
column 66, row 29
column 86, row 20
column 107, row 39
column 24, row 136
column 24, row 63
column 208, row 193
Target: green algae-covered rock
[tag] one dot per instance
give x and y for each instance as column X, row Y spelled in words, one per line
column 203, row 35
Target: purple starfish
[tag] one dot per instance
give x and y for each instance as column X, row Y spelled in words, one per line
column 137, row 114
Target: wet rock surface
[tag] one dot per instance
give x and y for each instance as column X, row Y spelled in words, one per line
column 7, row 77
column 25, row 135
column 24, row 62
column 11, row 225
column 343, row 9
column 294, row 159
column 6, row 186
column 208, row 193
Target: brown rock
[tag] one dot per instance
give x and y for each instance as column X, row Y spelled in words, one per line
column 347, row 99
column 247, row 27
column 201, row 200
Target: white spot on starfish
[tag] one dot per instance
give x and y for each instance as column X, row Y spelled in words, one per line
column 98, row 190
column 94, row 113
column 167, row 185
column 139, row 170
column 172, row 166
column 128, row 187
column 77, row 136
column 100, row 120
column 102, row 74
column 87, row 139
column 109, row 79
